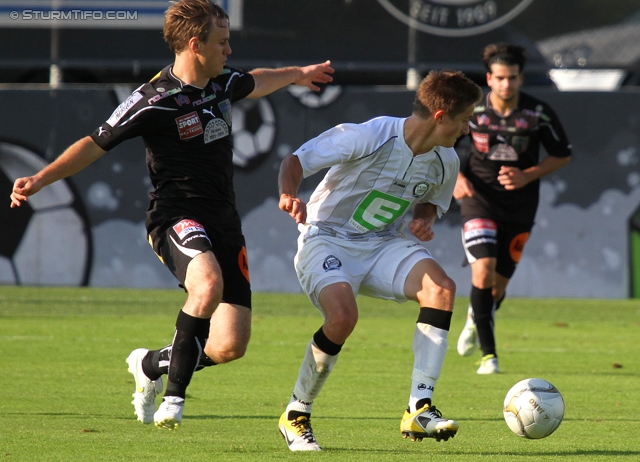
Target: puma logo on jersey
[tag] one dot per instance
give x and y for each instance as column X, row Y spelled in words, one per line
column 208, row 111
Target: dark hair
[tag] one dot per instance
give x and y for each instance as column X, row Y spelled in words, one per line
column 185, row 19
column 503, row 53
column 451, row 91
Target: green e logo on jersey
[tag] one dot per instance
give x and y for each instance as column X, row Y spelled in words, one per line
column 378, row 210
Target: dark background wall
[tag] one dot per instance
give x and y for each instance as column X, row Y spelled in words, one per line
column 579, row 245
column 366, row 43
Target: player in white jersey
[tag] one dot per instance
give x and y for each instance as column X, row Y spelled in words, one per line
column 352, row 240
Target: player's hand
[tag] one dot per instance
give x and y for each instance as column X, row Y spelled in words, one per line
column 294, row 207
column 463, row 188
column 22, row 189
column 421, row 229
column 315, row 73
column 512, row 178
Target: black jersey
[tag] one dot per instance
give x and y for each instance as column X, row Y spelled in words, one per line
column 514, row 141
column 187, row 133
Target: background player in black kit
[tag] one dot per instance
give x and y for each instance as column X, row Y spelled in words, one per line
column 184, row 117
column 499, row 188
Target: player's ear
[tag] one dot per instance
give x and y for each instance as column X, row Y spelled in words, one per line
column 194, row 44
column 438, row 115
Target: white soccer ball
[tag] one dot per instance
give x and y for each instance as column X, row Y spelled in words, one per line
column 47, row 240
column 254, row 131
column 533, row 408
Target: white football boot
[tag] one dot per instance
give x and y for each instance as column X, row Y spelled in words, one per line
column 468, row 340
column 144, row 396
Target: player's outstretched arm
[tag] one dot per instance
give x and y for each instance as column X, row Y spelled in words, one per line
column 289, row 180
column 72, row 160
column 269, row 80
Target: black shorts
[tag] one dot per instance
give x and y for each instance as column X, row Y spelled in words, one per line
column 185, row 238
column 483, row 237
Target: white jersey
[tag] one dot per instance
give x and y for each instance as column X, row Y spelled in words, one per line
column 374, row 179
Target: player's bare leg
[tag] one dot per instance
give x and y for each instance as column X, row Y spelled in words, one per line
column 203, row 283
column 341, row 315
column 429, row 285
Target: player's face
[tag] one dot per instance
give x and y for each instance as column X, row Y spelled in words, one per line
column 504, row 81
column 453, row 128
column 215, row 50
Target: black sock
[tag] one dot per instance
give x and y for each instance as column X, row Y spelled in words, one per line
column 499, row 302
column 326, row 345
column 151, row 363
column 482, row 303
column 156, row 363
column 188, row 344
column 436, row 318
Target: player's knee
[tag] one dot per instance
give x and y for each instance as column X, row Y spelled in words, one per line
column 227, row 354
column 341, row 323
column 443, row 289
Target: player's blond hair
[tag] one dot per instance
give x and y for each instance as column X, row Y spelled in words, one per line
column 447, row 90
column 185, row 19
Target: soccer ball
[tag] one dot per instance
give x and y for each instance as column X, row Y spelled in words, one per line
column 254, row 131
column 533, row 408
column 47, row 240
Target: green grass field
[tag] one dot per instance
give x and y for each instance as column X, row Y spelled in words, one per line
column 65, row 390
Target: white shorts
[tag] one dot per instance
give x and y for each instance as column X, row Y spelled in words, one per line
column 376, row 267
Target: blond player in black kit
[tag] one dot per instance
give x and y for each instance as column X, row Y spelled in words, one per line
column 184, row 117
column 498, row 188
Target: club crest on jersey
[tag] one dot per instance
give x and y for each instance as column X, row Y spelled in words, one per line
column 331, row 263
column 420, row 189
column 215, row 129
column 225, row 107
column 520, row 143
column 522, row 123
column 189, row 125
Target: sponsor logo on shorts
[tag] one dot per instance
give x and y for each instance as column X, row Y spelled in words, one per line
column 516, row 246
column 243, row 263
column 479, row 227
column 185, row 227
column 331, row 263
column 215, row 129
column 189, row 125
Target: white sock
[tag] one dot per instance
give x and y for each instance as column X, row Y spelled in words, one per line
column 429, row 347
column 314, row 371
